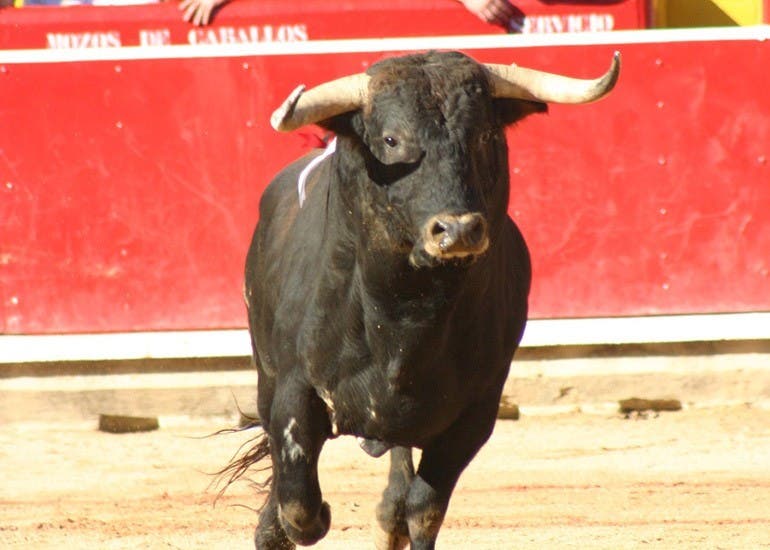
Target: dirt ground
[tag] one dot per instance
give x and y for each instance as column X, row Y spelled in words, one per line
column 698, row 478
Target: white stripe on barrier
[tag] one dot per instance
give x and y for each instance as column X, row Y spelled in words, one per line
column 658, row 329
column 235, row 343
column 315, row 47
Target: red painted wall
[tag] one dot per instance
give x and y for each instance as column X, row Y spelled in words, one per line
column 129, row 189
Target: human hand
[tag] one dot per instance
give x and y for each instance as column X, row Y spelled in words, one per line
column 199, row 12
column 498, row 12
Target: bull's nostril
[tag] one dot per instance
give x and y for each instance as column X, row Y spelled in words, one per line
column 438, row 228
column 455, row 236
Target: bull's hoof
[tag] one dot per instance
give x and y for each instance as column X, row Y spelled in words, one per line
column 272, row 538
column 386, row 540
column 389, row 529
column 300, row 528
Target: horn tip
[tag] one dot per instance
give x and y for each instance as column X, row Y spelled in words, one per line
column 276, row 121
column 280, row 120
column 616, row 61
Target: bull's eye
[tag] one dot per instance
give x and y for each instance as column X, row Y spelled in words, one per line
column 390, row 141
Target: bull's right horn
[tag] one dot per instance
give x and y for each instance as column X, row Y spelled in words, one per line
column 522, row 83
column 324, row 101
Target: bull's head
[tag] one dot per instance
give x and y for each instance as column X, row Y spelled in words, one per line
column 429, row 131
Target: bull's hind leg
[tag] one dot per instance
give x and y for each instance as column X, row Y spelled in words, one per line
column 299, row 426
column 391, row 531
column 440, row 467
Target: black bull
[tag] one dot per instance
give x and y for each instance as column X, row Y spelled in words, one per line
column 389, row 305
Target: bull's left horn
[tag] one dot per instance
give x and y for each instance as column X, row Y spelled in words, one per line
column 324, row 101
column 521, row 83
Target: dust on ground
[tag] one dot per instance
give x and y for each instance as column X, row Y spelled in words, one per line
column 698, row 478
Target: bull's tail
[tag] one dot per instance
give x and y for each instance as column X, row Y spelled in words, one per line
column 253, row 452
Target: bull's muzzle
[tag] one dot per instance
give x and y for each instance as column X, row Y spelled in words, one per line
column 450, row 236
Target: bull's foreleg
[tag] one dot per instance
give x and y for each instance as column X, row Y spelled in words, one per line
column 269, row 534
column 440, row 467
column 391, row 531
column 299, row 426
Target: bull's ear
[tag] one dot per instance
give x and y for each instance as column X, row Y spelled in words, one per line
column 513, row 110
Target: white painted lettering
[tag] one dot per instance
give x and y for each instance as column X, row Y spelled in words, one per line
column 250, row 34
column 300, row 33
column 574, row 23
column 557, row 24
column 154, row 37
column 598, row 22
column 110, row 40
column 228, row 36
column 549, row 24
column 57, row 40
column 74, row 40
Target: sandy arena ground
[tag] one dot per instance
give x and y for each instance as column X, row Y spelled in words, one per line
column 698, row 478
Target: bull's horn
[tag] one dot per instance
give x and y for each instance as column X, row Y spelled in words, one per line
column 522, row 83
column 324, row 101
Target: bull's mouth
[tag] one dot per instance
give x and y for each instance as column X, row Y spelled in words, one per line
column 421, row 258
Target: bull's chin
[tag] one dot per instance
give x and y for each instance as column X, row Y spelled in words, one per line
column 419, row 258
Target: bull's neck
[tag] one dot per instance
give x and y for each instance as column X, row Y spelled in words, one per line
column 398, row 305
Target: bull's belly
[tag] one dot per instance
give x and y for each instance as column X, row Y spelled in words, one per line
column 383, row 419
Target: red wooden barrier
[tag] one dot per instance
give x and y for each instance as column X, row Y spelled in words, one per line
column 259, row 21
column 129, row 184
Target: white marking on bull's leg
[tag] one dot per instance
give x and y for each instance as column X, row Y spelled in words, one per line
column 291, row 449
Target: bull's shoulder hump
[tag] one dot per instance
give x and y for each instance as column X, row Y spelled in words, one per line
column 287, row 178
column 282, row 190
